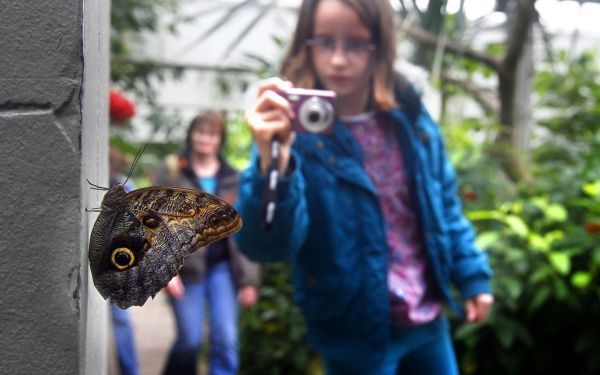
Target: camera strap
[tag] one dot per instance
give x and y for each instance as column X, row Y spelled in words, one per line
column 269, row 198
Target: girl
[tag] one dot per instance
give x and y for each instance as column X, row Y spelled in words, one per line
column 220, row 275
column 368, row 215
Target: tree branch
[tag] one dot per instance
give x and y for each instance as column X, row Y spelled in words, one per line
column 487, row 100
column 422, row 36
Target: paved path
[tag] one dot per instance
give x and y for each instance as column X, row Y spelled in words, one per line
column 154, row 331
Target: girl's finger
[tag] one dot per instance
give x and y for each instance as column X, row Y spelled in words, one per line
column 470, row 310
column 272, row 83
column 275, row 120
column 270, row 99
column 281, row 128
column 274, row 115
column 265, row 124
column 484, row 304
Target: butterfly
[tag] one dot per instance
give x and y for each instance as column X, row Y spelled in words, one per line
column 140, row 238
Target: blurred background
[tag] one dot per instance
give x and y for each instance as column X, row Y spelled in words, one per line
column 515, row 85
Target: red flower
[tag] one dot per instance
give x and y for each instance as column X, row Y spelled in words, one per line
column 592, row 228
column 470, row 195
column 121, row 108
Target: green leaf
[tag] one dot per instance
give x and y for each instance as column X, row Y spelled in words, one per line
column 554, row 236
column 545, row 242
column 561, row 290
column 592, row 189
column 581, row 279
column 560, row 261
column 466, row 330
column 537, row 242
column 513, row 287
column 485, row 215
column 517, row 225
column 540, row 274
column 487, row 239
column 556, row 212
column 505, row 331
column 539, row 298
column 596, row 256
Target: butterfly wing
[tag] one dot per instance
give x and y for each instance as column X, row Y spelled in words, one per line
column 143, row 246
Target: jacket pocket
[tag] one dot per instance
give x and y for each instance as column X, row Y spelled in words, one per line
column 324, row 297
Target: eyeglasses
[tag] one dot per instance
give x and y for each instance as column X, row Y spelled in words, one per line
column 207, row 131
column 353, row 49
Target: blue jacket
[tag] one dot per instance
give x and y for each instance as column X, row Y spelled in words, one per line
column 330, row 225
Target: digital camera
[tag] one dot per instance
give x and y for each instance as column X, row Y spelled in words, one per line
column 313, row 109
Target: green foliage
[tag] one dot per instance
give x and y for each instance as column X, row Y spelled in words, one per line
column 570, row 89
column 129, row 71
column 129, row 19
column 273, row 337
column 544, row 239
column 496, row 49
column 547, row 287
column 471, row 150
column 239, row 140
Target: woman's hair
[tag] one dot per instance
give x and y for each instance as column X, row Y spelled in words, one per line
column 207, row 116
column 378, row 17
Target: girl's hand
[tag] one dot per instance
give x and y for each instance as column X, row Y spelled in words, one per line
column 478, row 308
column 271, row 116
column 175, row 288
column 248, row 296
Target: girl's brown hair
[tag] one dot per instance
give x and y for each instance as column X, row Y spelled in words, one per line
column 209, row 116
column 378, row 17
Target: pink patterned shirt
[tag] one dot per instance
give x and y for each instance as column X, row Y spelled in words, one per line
column 407, row 282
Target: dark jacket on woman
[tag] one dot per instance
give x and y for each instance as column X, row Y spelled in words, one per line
column 176, row 171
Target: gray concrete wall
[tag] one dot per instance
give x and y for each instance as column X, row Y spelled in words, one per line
column 53, row 135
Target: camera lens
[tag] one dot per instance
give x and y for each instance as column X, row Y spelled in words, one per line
column 316, row 115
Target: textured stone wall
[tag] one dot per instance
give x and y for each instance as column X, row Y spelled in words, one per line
column 53, row 134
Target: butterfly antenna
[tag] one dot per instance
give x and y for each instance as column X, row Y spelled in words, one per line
column 135, row 161
column 97, row 187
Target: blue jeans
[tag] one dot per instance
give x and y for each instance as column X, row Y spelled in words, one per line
column 124, row 341
column 425, row 349
column 218, row 290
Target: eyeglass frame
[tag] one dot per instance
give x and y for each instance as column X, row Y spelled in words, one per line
column 349, row 48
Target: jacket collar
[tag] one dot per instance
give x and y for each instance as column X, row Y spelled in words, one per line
column 343, row 153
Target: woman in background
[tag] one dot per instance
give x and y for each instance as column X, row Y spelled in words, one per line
column 218, row 276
